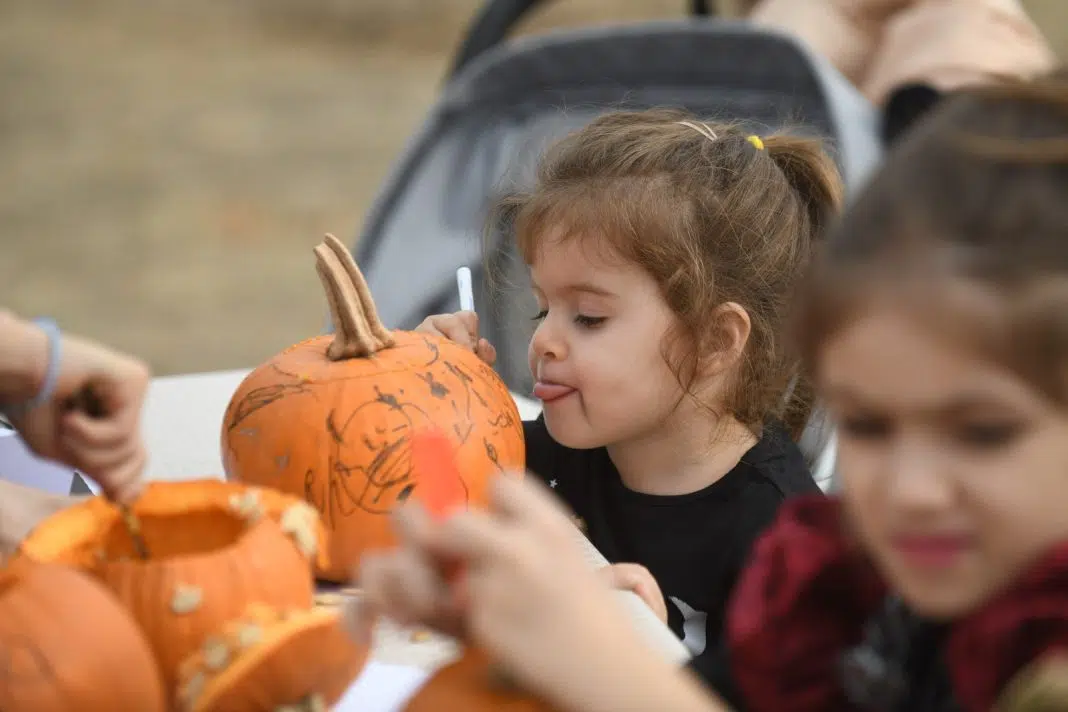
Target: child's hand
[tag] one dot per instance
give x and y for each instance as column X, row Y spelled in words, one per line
column 528, row 596
column 637, row 579
column 461, row 327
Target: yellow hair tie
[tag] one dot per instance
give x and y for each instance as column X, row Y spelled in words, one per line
column 755, row 140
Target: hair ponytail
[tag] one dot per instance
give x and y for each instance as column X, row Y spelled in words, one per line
column 815, row 179
column 813, row 175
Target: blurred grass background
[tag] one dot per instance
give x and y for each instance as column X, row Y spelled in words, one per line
column 166, row 167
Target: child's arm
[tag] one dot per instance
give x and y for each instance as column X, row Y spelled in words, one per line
column 21, row 508
column 531, row 602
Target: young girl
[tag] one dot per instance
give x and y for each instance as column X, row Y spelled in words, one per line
column 662, row 253
column 936, row 328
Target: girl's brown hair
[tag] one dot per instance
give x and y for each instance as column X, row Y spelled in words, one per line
column 713, row 215
column 976, row 195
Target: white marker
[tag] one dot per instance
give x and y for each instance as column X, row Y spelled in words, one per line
column 467, row 291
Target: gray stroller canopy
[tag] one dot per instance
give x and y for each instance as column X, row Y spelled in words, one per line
column 502, row 109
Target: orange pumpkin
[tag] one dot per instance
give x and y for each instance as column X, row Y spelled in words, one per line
column 471, row 685
column 214, row 547
column 331, row 418
column 66, row 643
column 268, row 659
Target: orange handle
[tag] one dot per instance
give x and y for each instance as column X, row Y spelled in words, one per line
column 439, row 486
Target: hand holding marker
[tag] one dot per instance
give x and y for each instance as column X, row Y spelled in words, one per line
column 483, row 348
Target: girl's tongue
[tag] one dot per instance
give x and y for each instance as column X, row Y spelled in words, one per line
column 547, row 391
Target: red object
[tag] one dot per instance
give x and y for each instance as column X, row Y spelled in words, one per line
column 438, row 485
column 439, row 488
column 808, row 592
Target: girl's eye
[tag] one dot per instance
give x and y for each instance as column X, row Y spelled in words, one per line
column 865, row 428
column 989, row 435
column 589, row 321
column 541, row 315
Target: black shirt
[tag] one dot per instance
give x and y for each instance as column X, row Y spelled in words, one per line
column 694, row 545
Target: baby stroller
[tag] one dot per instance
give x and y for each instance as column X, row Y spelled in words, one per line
column 503, row 102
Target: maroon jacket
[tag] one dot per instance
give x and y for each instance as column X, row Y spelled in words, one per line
column 808, row 593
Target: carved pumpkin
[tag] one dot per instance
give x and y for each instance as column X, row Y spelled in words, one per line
column 268, row 659
column 66, row 643
column 214, row 547
column 331, row 418
column 471, row 684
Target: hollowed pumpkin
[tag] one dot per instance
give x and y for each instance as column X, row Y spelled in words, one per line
column 331, row 418
column 214, row 548
column 66, row 643
column 270, row 659
column 471, row 684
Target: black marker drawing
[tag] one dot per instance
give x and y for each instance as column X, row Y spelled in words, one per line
column 383, row 478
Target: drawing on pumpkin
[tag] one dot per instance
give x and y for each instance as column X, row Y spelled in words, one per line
column 435, row 352
column 387, row 479
column 437, row 388
column 492, row 454
column 22, row 663
column 262, row 397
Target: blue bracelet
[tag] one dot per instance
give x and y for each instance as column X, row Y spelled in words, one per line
column 51, row 378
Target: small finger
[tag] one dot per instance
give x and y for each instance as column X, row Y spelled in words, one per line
column 412, row 524
column 101, row 462
column 628, row 577
column 470, row 321
column 428, row 327
column 472, row 537
column 124, row 483
column 486, row 351
column 454, row 330
column 79, row 427
column 405, row 587
column 359, row 620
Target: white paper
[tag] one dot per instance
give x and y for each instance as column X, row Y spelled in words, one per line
column 382, row 687
column 20, row 465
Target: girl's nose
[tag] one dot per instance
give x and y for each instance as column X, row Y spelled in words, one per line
column 547, row 344
column 917, row 482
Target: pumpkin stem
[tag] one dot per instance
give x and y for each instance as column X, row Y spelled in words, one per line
column 358, row 331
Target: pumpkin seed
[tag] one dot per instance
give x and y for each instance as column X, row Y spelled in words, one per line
column 298, row 521
column 186, row 599
column 248, row 635
column 247, row 505
column 216, row 654
column 193, row 689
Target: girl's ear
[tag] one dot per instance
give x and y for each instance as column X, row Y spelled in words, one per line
column 726, row 338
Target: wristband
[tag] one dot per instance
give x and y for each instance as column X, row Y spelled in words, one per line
column 51, row 377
